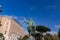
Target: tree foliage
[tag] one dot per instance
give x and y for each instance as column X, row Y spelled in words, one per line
column 1, row 35
column 59, row 34
column 42, row 29
column 25, row 37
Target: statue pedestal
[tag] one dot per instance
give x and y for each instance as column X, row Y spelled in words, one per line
column 31, row 38
column 42, row 38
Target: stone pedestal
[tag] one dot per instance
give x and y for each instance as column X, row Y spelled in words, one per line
column 31, row 38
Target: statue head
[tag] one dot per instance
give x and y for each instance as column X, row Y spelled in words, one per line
column 30, row 19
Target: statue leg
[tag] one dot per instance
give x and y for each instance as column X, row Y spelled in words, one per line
column 29, row 31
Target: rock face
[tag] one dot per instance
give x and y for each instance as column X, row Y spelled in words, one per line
column 11, row 28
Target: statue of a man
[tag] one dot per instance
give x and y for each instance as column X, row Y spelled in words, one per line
column 31, row 26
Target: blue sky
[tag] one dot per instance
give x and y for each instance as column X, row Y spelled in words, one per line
column 43, row 12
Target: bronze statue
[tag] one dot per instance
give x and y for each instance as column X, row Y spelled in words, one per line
column 31, row 26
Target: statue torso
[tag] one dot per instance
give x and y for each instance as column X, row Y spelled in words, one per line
column 30, row 23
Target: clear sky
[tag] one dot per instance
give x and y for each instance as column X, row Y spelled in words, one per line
column 43, row 12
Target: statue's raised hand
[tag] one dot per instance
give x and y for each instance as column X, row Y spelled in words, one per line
column 24, row 20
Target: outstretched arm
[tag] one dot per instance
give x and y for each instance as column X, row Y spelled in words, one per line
column 25, row 20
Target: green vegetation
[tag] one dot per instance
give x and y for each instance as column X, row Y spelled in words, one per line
column 25, row 37
column 42, row 29
column 1, row 35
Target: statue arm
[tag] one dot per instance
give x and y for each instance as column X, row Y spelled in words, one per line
column 25, row 20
